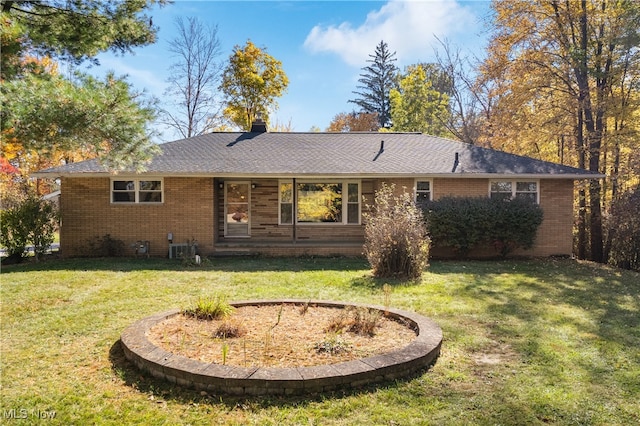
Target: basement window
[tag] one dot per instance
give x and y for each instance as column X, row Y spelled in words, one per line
column 136, row 191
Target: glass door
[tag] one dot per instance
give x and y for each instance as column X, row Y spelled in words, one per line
column 236, row 209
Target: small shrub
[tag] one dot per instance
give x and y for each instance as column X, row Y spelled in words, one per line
column 230, row 329
column 191, row 256
column 623, row 232
column 340, row 322
column 105, row 246
column 33, row 221
column 210, row 308
column 365, row 321
column 396, row 240
column 361, row 321
column 333, row 345
column 14, row 235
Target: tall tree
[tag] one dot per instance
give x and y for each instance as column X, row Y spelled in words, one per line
column 420, row 103
column 53, row 114
column 469, row 105
column 558, row 67
column 251, row 82
column 194, row 79
column 354, row 122
column 80, row 29
column 376, row 82
column 49, row 117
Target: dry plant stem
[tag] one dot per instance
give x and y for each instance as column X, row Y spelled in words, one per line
column 292, row 343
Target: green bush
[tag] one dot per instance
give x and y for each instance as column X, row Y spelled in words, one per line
column 623, row 229
column 210, row 308
column 33, row 221
column 105, row 246
column 465, row 223
column 14, row 235
column 459, row 223
column 396, row 240
column 515, row 224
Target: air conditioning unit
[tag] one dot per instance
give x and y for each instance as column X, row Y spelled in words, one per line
column 177, row 251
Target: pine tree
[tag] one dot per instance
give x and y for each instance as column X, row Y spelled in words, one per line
column 376, row 82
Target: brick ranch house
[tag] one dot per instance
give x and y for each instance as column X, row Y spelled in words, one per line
column 294, row 193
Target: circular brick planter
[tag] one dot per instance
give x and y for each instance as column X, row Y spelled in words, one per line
column 417, row 355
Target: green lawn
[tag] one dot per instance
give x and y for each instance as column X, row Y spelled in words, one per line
column 525, row 342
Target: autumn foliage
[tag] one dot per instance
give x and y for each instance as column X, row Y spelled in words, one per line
column 396, row 240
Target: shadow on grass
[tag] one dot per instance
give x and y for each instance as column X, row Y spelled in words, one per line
column 371, row 283
column 564, row 317
column 163, row 390
column 225, row 264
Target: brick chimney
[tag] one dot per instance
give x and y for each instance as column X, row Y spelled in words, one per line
column 258, row 125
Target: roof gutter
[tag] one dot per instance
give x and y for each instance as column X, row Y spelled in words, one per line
column 290, row 175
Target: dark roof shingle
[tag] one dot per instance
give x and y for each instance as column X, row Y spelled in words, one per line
column 300, row 154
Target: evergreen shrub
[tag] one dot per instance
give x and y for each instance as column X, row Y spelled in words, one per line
column 623, row 229
column 466, row 223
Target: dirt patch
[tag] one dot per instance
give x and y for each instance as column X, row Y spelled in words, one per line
column 278, row 336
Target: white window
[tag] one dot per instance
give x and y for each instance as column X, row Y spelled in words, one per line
column 319, row 202
column 505, row 189
column 423, row 192
column 136, row 191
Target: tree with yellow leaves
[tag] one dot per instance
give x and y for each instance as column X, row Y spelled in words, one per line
column 251, row 82
column 564, row 78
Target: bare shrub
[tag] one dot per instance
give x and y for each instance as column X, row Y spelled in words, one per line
column 340, row 322
column 230, row 329
column 362, row 321
column 396, row 240
column 365, row 321
column 105, row 246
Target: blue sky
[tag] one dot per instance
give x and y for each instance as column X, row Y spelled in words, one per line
column 322, row 45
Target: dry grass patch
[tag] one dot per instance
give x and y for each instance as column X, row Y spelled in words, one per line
column 281, row 336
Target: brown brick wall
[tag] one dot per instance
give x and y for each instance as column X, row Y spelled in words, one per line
column 191, row 204
column 556, row 199
column 87, row 214
column 460, row 188
column 555, row 235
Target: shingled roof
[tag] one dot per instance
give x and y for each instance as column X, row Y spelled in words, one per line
column 273, row 154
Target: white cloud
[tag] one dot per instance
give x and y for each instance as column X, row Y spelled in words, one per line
column 137, row 75
column 408, row 27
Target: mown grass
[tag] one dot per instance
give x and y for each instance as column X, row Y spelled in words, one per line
column 526, row 342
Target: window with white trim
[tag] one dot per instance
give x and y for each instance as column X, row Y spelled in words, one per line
column 505, row 189
column 319, row 202
column 136, row 191
column 423, row 192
